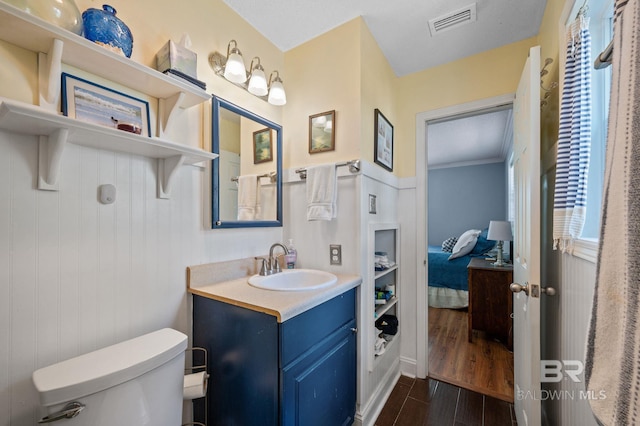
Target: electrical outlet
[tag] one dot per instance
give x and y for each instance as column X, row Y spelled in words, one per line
column 335, row 254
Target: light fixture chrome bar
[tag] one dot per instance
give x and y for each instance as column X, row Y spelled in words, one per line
column 354, row 167
column 275, row 94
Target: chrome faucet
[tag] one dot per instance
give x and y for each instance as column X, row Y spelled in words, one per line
column 274, row 265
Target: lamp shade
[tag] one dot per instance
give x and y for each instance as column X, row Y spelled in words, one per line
column 258, row 83
column 234, row 69
column 277, row 96
column 499, row 231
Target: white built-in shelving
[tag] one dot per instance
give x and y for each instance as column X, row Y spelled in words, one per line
column 383, row 237
column 56, row 46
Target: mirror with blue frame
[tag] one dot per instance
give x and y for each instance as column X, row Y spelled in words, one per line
column 247, row 175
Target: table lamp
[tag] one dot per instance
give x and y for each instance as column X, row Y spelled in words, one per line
column 499, row 231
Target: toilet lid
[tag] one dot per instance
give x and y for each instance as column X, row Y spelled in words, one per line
column 107, row 367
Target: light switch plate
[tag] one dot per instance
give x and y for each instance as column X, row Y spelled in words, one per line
column 335, row 254
column 372, row 204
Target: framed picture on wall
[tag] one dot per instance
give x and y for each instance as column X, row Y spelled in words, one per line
column 383, row 141
column 96, row 104
column 322, row 132
column 262, row 146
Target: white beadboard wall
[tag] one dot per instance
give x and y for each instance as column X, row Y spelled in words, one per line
column 77, row 275
column 350, row 229
column 566, row 319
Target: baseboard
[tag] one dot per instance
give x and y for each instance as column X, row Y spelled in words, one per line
column 408, row 367
column 367, row 415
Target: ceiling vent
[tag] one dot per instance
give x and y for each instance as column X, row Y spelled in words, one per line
column 453, row 19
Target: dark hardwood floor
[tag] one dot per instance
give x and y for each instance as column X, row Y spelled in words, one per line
column 416, row 402
column 471, row 383
column 483, row 365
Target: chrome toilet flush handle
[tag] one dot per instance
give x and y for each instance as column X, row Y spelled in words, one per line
column 69, row 411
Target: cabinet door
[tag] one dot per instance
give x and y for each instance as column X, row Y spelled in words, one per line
column 319, row 388
column 242, row 360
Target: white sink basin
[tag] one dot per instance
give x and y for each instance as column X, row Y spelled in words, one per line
column 294, row 280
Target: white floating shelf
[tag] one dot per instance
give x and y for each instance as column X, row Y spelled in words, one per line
column 56, row 131
column 34, row 34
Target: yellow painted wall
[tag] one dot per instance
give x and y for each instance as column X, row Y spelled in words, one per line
column 378, row 90
column 323, row 74
column 342, row 70
column 485, row 75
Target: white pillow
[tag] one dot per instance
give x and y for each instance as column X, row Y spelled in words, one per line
column 465, row 244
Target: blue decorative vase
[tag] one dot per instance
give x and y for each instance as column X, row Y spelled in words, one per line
column 104, row 28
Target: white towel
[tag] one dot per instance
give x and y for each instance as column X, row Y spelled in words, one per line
column 248, row 197
column 322, row 192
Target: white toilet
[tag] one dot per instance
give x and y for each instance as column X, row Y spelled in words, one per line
column 136, row 382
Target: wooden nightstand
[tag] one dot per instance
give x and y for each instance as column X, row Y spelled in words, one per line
column 490, row 299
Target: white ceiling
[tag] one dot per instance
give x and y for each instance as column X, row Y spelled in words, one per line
column 479, row 139
column 401, row 28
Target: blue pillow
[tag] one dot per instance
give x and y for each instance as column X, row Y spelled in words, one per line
column 483, row 245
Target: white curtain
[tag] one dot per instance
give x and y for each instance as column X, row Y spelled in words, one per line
column 612, row 368
column 574, row 138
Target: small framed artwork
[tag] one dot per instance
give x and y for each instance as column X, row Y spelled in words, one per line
column 322, row 132
column 383, row 143
column 262, row 146
column 96, row 104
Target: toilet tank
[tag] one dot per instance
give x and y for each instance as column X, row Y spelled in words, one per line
column 135, row 382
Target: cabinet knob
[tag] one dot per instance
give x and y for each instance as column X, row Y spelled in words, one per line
column 354, row 330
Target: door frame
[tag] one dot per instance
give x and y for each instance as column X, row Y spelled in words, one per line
column 422, row 122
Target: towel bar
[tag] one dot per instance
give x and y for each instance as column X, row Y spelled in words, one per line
column 270, row 175
column 354, row 167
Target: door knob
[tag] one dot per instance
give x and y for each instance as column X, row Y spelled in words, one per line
column 517, row 288
column 550, row 291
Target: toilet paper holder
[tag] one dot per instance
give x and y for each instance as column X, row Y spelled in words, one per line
column 198, row 368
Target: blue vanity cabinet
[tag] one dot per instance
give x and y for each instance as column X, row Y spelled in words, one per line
column 242, row 360
column 318, row 364
column 300, row 372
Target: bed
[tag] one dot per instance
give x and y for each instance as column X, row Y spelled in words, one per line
column 448, row 287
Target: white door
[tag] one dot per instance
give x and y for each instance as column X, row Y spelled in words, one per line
column 526, row 259
column 229, row 168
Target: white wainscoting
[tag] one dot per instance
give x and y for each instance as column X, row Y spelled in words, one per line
column 566, row 319
column 77, row 275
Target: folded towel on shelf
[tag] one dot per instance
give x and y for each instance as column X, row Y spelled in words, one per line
column 381, row 261
column 248, row 197
column 322, row 191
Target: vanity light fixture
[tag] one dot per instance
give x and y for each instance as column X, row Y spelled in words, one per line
column 231, row 67
column 234, row 69
column 258, row 81
column 277, row 96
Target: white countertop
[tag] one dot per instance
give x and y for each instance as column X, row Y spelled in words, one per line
column 281, row 304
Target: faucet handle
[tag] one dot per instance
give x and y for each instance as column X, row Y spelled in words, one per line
column 264, row 269
column 276, row 267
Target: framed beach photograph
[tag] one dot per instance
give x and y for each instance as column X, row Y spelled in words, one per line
column 262, row 146
column 383, row 143
column 96, row 104
column 322, row 132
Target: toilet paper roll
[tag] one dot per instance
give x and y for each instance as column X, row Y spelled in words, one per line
column 195, row 385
